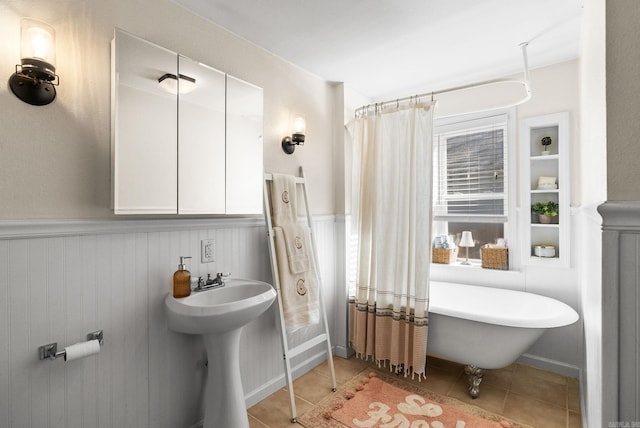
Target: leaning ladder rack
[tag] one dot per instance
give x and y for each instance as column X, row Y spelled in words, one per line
column 309, row 343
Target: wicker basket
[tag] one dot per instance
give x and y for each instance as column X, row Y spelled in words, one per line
column 443, row 255
column 494, row 258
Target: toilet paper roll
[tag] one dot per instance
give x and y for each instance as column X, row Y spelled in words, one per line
column 81, row 350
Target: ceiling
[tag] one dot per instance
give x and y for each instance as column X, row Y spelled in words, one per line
column 388, row 49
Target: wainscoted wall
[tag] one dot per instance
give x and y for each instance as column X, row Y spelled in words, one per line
column 620, row 317
column 61, row 280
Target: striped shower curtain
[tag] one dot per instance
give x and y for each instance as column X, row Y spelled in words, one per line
column 391, row 212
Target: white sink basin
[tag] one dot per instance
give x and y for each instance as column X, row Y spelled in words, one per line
column 219, row 309
column 219, row 314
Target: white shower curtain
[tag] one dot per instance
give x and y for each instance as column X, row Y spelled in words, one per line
column 391, row 190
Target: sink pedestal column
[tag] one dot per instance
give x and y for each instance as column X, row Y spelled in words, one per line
column 224, row 398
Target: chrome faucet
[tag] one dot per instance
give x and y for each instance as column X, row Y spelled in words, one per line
column 216, row 282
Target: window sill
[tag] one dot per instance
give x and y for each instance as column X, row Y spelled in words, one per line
column 473, row 264
column 475, row 274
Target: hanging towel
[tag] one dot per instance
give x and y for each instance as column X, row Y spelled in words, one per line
column 299, row 291
column 297, row 247
column 284, row 205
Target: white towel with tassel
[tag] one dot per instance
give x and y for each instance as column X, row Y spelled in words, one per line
column 298, row 290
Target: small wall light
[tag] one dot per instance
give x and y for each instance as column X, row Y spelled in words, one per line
column 35, row 78
column 169, row 82
column 299, row 126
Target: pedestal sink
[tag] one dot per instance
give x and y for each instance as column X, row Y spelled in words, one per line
column 219, row 314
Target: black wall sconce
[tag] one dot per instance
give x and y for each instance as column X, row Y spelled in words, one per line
column 35, row 78
column 297, row 136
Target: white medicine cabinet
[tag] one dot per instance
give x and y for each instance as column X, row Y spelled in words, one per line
column 545, row 178
column 193, row 146
column 244, row 175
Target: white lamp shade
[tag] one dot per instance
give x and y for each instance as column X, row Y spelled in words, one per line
column 38, row 40
column 466, row 240
column 299, row 124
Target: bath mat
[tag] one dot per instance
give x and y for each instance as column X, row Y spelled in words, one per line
column 377, row 401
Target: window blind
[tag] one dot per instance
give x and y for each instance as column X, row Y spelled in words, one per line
column 470, row 171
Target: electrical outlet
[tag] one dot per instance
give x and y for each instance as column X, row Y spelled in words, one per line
column 208, row 250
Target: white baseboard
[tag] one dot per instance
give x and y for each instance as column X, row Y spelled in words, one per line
column 253, row 397
column 342, row 352
column 550, row 365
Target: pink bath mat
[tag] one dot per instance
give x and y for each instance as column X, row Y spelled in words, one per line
column 380, row 404
column 367, row 401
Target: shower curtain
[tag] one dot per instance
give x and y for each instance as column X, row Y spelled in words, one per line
column 391, row 213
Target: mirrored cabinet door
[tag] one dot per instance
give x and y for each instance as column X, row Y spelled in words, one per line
column 187, row 138
column 244, row 147
column 144, row 130
column 201, row 139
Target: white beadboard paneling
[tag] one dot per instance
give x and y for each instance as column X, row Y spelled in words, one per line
column 73, row 329
column 87, row 279
column 340, row 336
column 137, row 332
column 161, row 267
column 103, row 281
column 38, row 251
column 5, row 342
column 62, row 280
column 116, row 333
column 20, row 356
column 56, row 319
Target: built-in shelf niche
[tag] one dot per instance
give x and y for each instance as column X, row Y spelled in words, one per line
column 535, row 164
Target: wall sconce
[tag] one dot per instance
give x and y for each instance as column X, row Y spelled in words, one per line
column 169, row 82
column 297, row 136
column 35, row 78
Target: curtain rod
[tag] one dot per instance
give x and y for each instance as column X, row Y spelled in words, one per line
column 415, row 98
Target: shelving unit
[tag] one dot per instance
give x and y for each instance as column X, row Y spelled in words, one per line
column 535, row 164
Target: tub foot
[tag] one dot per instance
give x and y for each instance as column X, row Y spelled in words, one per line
column 474, row 374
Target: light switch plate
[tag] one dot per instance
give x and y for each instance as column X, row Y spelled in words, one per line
column 208, row 250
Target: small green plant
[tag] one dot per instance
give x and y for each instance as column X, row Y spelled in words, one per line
column 546, row 142
column 545, row 208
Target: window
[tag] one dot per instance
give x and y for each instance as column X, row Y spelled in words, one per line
column 471, row 178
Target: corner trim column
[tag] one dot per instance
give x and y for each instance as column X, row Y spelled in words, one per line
column 620, row 308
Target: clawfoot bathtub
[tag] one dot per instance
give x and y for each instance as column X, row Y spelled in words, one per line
column 488, row 328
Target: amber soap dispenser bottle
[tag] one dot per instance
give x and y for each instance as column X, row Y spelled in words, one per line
column 182, row 280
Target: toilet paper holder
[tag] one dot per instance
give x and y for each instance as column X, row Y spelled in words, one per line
column 50, row 351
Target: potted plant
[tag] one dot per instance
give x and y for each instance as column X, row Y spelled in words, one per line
column 545, row 211
column 546, row 142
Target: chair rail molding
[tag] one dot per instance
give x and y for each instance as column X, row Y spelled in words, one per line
column 17, row 229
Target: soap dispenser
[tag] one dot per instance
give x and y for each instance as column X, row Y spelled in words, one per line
column 182, row 280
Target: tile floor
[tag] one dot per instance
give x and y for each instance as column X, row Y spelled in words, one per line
column 519, row 392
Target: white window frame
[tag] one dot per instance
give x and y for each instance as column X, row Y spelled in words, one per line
column 475, row 120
